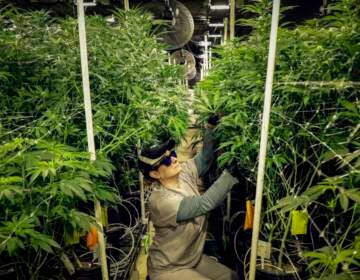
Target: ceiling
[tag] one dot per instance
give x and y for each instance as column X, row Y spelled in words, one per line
column 199, row 10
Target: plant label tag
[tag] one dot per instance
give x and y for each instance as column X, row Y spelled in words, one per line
column 299, row 221
column 264, row 249
column 249, row 215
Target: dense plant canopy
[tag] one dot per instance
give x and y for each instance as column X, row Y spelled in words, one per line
column 136, row 94
column 47, row 183
column 314, row 139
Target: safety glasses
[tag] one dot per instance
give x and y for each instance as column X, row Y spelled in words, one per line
column 166, row 160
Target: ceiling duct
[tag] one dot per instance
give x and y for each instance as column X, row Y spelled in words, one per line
column 181, row 26
column 187, row 59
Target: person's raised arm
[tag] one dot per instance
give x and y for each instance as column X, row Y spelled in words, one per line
column 194, row 206
column 204, row 159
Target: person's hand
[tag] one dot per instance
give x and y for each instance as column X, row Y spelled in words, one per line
column 214, row 119
column 237, row 171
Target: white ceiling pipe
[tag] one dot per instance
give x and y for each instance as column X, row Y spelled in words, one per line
column 203, row 44
column 87, row 4
column 219, row 7
column 219, row 24
column 264, row 136
column 214, row 36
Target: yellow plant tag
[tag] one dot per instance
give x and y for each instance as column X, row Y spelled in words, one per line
column 299, row 221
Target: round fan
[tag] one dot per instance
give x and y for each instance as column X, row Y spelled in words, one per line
column 181, row 23
column 187, row 59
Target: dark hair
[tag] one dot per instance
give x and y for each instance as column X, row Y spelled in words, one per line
column 145, row 170
column 152, row 153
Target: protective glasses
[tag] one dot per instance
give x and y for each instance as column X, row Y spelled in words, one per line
column 165, row 160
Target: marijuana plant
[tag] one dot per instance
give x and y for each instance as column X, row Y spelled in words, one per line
column 314, row 124
column 136, row 94
column 42, row 187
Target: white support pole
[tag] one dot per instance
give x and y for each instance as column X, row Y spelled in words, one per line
column 264, row 135
column 89, row 127
column 206, row 56
column 225, row 35
column 209, row 59
column 126, row 5
column 144, row 220
column 228, row 197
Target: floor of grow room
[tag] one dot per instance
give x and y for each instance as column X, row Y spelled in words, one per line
column 185, row 151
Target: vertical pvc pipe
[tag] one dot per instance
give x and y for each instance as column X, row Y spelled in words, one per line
column 225, row 35
column 126, row 5
column 232, row 19
column 89, row 126
column 206, row 56
column 264, row 135
column 228, row 196
column 142, row 194
column 210, row 58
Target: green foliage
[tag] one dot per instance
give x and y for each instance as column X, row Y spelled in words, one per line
column 41, row 184
column 328, row 259
column 46, row 185
column 136, row 94
column 314, row 136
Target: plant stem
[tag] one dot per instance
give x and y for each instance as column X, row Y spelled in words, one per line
column 283, row 241
column 349, row 227
column 319, row 230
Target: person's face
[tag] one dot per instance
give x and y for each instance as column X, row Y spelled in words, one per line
column 164, row 171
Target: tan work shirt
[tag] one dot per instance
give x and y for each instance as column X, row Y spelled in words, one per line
column 176, row 246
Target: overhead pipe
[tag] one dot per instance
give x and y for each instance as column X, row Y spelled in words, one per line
column 89, row 128
column 216, row 24
column 219, row 7
column 264, row 135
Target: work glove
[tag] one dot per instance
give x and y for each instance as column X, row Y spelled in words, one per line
column 238, row 171
column 214, row 119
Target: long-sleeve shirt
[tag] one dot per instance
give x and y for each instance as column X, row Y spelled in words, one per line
column 180, row 235
column 193, row 206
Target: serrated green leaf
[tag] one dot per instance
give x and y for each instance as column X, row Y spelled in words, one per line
column 353, row 194
column 77, row 191
column 348, row 105
column 344, row 201
column 45, row 247
column 13, row 245
column 34, row 176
